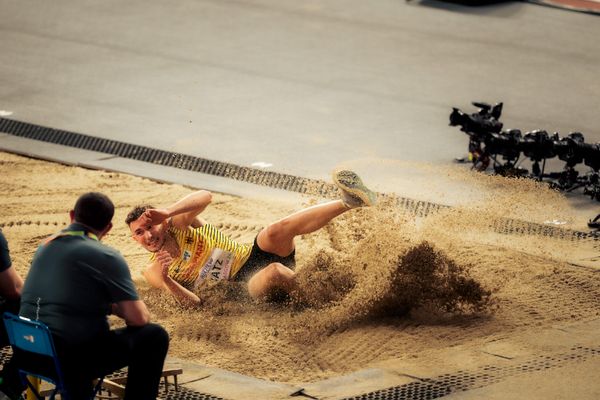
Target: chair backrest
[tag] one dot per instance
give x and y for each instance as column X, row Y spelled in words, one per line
column 28, row 335
column 35, row 337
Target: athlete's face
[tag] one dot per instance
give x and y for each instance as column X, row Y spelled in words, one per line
column 151, row 237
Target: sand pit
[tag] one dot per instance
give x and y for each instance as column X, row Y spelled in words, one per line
column 380, row 284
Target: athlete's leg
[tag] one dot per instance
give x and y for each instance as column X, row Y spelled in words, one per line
column 278, row 238
column 273, row 276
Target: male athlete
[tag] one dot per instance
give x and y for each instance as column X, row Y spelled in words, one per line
column 189, row 253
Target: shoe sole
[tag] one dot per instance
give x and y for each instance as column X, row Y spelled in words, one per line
column 351, row 183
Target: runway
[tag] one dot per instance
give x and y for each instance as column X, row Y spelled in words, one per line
column 301, row 86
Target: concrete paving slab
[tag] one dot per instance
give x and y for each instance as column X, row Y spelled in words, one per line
column 230, row 385
column 191, row 372
column 538, row 367
column 438, row 364
column 363, row 381
column 578, row 381
column 559, row 339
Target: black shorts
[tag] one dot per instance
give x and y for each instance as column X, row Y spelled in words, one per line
column 259, row 259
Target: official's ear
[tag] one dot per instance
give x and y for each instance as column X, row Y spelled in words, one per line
column 72, row 215
column 107, row 229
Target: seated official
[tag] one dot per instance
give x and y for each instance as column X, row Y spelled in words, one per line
column 73, row 284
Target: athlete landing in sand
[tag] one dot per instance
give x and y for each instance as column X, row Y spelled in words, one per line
column 189, row 253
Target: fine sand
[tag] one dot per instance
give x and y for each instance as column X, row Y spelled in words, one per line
column 379, row 283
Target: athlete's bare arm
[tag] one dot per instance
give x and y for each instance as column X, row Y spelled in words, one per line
column 184, row 212
column 156, row 275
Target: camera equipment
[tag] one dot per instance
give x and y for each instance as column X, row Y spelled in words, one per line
column 487, row 141
column 478, row 126
column 538, row 146
column 566, row 150
column 505, row 144
column 595, row 223
column 481, row 123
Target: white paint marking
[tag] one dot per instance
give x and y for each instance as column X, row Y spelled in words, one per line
column 261, row 164
column 555, row 222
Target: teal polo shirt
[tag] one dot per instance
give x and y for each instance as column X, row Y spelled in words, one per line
column 72, row 282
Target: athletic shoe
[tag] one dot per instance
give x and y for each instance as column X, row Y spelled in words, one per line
column 354, row 192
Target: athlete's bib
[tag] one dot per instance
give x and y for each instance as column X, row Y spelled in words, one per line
column 206, row 255
column 216, row 268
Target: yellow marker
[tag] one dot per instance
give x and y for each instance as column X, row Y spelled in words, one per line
column 35, row 382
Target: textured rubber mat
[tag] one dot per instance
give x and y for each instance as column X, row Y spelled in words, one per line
column 587, row 6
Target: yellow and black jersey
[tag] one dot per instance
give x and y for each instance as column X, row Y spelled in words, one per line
column 205, row 254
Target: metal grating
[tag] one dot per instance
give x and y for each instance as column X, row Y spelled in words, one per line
column 182, row 393
column 443, row 385
column 185, row 394
column 424, row 389
column 5, row 354
column 256, row 176
column 165, row 158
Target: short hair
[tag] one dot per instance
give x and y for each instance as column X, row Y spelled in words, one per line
column 137, row 212
column 95, row 210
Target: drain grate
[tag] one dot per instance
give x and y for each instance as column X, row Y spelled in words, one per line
column 182, row 392
column 443, row 385
column 5, row 354
column 425, row 389
column 185, row 394
column 165, row 158
column 256, row 176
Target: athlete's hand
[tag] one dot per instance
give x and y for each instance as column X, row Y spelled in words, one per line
column 164, row 259
column 156, row 216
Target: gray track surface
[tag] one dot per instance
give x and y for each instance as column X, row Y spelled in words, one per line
column 300, row 85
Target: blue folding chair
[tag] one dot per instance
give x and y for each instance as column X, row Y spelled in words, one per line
column 35, row 337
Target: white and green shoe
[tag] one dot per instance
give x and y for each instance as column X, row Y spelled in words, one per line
column 354, row 192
